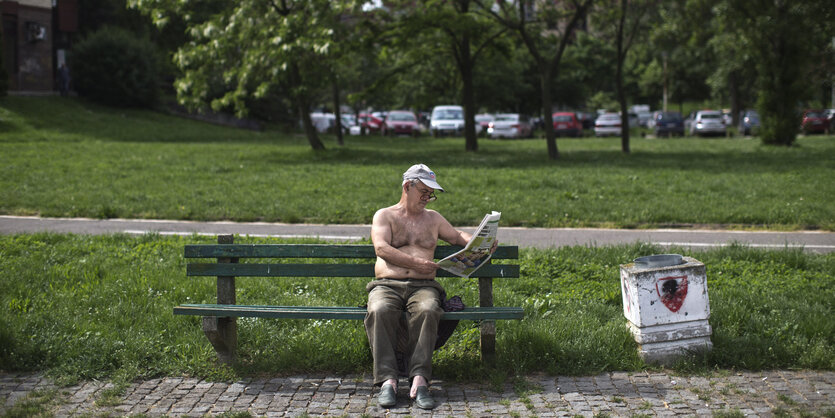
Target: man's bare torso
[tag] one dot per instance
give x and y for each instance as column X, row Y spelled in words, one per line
column 413, row 235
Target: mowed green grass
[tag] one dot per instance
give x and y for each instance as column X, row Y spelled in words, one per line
column 82, row 307
column 64, row 157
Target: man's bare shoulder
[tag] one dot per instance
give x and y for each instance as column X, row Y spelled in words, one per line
column 435, row 215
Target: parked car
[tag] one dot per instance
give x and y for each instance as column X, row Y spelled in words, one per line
column 510, row 125
column 749, row 122
column 688, row 121
column 632, row 119
column 447, row 120
column 482, row 120
column 813, row 122
column 607, row 124
column 644, row 118
column 400, row 122
column 370, row 123
column 667, row 124
column 586, row 119
column 707, row 122
column 567, row 124
column 323, row 122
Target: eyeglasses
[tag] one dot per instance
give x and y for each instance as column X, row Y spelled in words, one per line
column 429, row 195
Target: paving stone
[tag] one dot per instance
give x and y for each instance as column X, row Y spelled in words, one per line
column 613, row 394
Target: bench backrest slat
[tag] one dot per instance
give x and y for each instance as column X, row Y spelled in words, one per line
column 314, row 251
column 322, row 270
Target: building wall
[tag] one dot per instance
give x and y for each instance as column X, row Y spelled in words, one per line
column 32, row 68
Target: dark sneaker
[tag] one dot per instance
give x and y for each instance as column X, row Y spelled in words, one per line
column 387, row 396
column 424, row 399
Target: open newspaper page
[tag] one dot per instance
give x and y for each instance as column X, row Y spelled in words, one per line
column 476, row 253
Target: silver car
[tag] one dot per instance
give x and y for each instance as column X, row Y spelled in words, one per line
column 510, row 125
column 607, row 124
column 708, row 122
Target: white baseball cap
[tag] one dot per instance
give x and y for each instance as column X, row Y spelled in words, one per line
column 424, row 174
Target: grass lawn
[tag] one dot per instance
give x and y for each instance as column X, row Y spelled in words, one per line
column 64, row 157
column 82, row 307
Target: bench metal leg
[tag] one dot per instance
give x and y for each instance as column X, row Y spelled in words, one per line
column 223, row 334
column 488, row 328
column 488, row 343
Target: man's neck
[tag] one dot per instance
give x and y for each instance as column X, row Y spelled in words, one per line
column 415, row 209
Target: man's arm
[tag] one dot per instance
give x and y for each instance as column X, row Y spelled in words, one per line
column 381, row 238
column 451, row 235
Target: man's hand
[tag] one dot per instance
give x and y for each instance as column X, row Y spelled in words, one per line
column 493, row 247
column 426, row 267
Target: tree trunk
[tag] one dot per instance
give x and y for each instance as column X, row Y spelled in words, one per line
column 337, row 112
column 304, row 111
column 624, row 112
column 470, row 136
column 309, row 129
column 733, row 86
column 471, row 140
column 548, row 120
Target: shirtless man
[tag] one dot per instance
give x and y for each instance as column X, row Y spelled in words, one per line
column 404, row 237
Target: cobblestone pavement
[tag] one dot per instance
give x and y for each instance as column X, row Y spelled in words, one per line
column 772, row 393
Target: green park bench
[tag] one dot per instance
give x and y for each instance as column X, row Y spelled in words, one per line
column 219, row 320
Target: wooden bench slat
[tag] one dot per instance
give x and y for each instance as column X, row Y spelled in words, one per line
column 323, row 270
column 314, row 251
column 331, row 312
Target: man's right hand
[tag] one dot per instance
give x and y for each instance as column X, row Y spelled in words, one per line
column 427, row 267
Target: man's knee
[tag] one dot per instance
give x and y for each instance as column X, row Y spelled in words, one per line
column 383, row 311
column 429, row 308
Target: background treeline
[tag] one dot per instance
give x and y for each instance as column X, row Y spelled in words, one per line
column 276, row 61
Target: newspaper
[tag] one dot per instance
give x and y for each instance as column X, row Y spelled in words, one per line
column 476, row 253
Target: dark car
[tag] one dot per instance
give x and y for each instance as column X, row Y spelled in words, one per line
column 586, row 119
column 667, row 124
column 749, row 122
column 400, row 122
column 567, row 124
column 813, row 122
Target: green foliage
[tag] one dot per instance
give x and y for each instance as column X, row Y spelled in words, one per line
column 769, row 309
column 114, row 67
column 785, row 40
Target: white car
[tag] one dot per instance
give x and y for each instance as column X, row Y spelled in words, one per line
column 510, row 125
column 607, row 124
column 707, row 122
column 447, row 120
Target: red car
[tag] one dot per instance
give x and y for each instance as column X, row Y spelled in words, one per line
column 566, row 123
column 814, row 121
column 370, row 122
column 400, row 122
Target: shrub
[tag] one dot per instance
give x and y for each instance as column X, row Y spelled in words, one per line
column 115, row 67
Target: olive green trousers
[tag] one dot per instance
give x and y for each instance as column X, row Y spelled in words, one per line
column 388, row 299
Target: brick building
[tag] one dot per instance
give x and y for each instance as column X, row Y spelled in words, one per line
column 36, row 38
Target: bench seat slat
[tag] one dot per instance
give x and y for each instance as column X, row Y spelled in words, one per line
column 330, row 312
column 314, row 251
column 322, row 270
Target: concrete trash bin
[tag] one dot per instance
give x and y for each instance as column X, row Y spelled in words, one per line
column 665, row 301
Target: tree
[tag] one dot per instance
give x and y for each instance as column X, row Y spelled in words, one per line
column 785, row 39
column 545, row 28
column 466, row 35
column 252, row 49
column 628, row 22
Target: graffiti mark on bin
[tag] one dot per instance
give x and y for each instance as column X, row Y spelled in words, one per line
column 672, row 291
